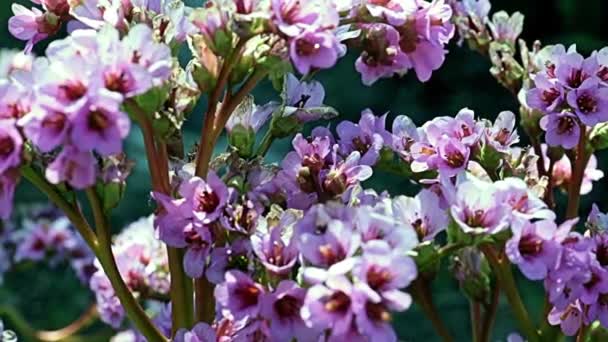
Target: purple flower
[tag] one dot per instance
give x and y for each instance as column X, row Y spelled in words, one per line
column 533, row 247
column 386, row 272
column 385, row 223
column 253, row 118
column 562, row 129
column 239, row 296
column 422, row 213
column 569, row 319
column 506, row 29
column 294, row 16
column 572, row 69
column 303, row 95
column 238, row 255
column 598, row 222
column 330, row 306
column 15, row 101
column 373, row 316
column 199, row 244
column 476, row 208
column 343, row 174
column 11, row 144
column 547, row 96
column 405, row 134
column 514, row 192
column 278, row 253
column 451, row 158
column 101, row 126
column 282, row 308
column 367, row 137
column 202, row 332
column 382, row 56
column 325, row 235
column 589, row 102
column 395, row 12
column 503, row 134
column 206, row 198
column 313, row 50
column 154, row 57
column 79, row 169
column 47, row 126
column 595, row 286
column 31, row 25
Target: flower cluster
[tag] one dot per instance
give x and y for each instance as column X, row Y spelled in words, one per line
column 142, row 262
column 572, row 265
column 44, row 235
column 68, row 105
column 33, row 25
column 570, row 90
column 397, row 36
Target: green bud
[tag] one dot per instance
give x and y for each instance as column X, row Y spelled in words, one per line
column 488, row 158
column 283, row 127
column 242, row 139
column 598, row 139
column 110, row 194
column 427, row 258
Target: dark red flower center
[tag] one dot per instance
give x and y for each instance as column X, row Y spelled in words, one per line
column 74, row 90
column 306, row 48
column 7, row 146
column 248, row 295
column 377, row 277
column 530, row 245
column 55, row 122
column 338, row 302
column 98, row 121
column 208, row 201
column 565, row 124
column 587, row 103
column 377, row 312
column 288, row 306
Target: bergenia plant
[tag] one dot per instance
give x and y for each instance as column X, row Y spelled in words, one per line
column 239, row 248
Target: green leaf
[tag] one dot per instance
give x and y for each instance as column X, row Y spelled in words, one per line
column 154, row 99
column 598, row 139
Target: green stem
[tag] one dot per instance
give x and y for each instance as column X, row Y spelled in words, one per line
column 576, row 180
column 490, row 314
column 450, row 248
column 265, row 144
column 502, row 269
column 422, row 295
column 106, row 257
column 475, row 309
column 181, row 287
column 72, row 213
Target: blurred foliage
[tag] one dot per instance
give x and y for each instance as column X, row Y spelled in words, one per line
column 50, row 299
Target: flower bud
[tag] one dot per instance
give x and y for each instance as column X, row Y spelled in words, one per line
column 213, row 23
column 472, row 271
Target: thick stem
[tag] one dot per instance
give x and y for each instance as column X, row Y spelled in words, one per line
column 205, row 302
column 181, row 286
column 576, row 180
column 106, row 257
column 72, row 213
column 475, row 309
column 502, row 269
column 422, row 295
column 490, row 314
column 206, row 143
column 581, row 336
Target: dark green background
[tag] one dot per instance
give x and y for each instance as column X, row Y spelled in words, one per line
column 51, row 298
